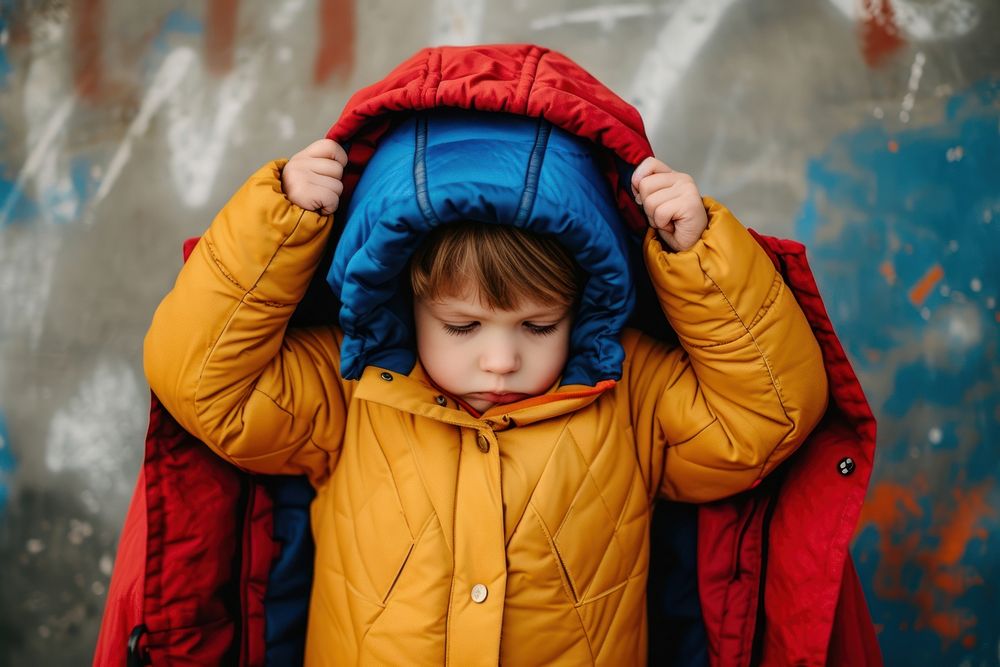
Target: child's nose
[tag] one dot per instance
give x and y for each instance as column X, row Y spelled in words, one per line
column 500, row 358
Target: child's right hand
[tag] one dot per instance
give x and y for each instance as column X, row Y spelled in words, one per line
column 311, row 178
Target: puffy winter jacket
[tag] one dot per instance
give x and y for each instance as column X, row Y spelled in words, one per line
column 546, row 502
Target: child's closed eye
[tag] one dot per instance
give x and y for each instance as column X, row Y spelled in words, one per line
column 541, row 329
column 460, row 329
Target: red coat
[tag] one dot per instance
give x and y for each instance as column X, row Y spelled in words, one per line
column 775, row 579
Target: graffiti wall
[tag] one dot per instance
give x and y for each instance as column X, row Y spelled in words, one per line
column 868, row 129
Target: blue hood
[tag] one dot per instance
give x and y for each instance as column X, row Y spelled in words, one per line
column 450, row 165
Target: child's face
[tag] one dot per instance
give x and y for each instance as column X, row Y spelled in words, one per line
column 488, row 357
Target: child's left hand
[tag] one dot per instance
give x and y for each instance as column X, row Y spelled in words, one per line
column 671, row 202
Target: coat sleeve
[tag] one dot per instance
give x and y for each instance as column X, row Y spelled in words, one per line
column 217, row 354
column 747, row 384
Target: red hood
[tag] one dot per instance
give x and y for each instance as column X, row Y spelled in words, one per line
column 514, row 78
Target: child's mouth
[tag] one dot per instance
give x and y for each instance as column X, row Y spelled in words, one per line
column 498, row 398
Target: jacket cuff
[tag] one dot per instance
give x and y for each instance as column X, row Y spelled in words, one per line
column 259, row 231
column 716, row 290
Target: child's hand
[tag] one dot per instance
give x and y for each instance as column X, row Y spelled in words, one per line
column 671, row 202
column 311, row 178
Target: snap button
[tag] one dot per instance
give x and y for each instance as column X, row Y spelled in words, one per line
column 440, row 400
column 490, row 423
column 846, row 466
column 484, row 443
column 479, row 593
column 386, row 376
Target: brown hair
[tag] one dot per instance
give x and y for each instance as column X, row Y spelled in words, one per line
column 507, row 264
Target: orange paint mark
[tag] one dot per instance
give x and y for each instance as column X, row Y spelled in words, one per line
column 336, row 40
column 879, row 34
column 88, row 19
column 969, row 641
column 220, row 35
column 924, row 286
column 893, row 146
column 935, row 546
column 888, row 271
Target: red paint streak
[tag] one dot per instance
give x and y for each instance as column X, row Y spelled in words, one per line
column 924, row 286
column 335, row 53
column 88, row 19
column 888, row 271
column 879, row 34
column 893, row 146
column 220, row 34
column 935, row 546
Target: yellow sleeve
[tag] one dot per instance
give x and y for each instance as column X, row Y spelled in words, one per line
column 217, row 354
column 747, row 384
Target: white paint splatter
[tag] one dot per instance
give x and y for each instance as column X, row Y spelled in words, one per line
column 954, row 154
column 604, row 15
column 79, row 531
column 283, row 14
column 48, row 104
column 878, row 113
column 925, row 313
column 965, row 329
column 201, row 116
column 944, row 19
column 688, row 27
column 457, row 22
column 41, row 163
column 169, row 75
column 953, row 246
column 34, row 546
column 916, row 72
column 286, row 126
column 935, row 435
column 919, row 19
column 96, row 433
column 27, row 265
column 976, row 285
column 106, row 565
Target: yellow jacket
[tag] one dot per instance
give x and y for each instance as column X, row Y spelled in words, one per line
column 520, row 535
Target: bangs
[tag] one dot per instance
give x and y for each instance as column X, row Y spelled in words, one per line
column 506, row 266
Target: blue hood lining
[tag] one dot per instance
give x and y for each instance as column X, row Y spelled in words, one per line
column 450, row 165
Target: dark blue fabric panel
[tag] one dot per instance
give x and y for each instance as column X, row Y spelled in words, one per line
column 676, row 631
column 286, row 604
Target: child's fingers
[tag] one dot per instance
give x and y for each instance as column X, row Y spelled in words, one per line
column 648, row 166
column 334, row 185
column 656, row 199
column 326, row 148
column 324, row 167
column 661, row 181
column 666, row 212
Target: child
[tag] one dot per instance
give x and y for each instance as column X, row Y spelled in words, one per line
column 484, row 475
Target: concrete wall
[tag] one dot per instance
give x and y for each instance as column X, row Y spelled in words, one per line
column 866, row 128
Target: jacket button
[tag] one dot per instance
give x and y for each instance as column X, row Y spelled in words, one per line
column 846, row 466
column 386, row 376
column 440, row 400
column 479, row 593
column 484, row 443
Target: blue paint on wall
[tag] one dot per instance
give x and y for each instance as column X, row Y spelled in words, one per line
column 903, row 230
column 6, row 462
column 177, row 23
column 6, row 9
